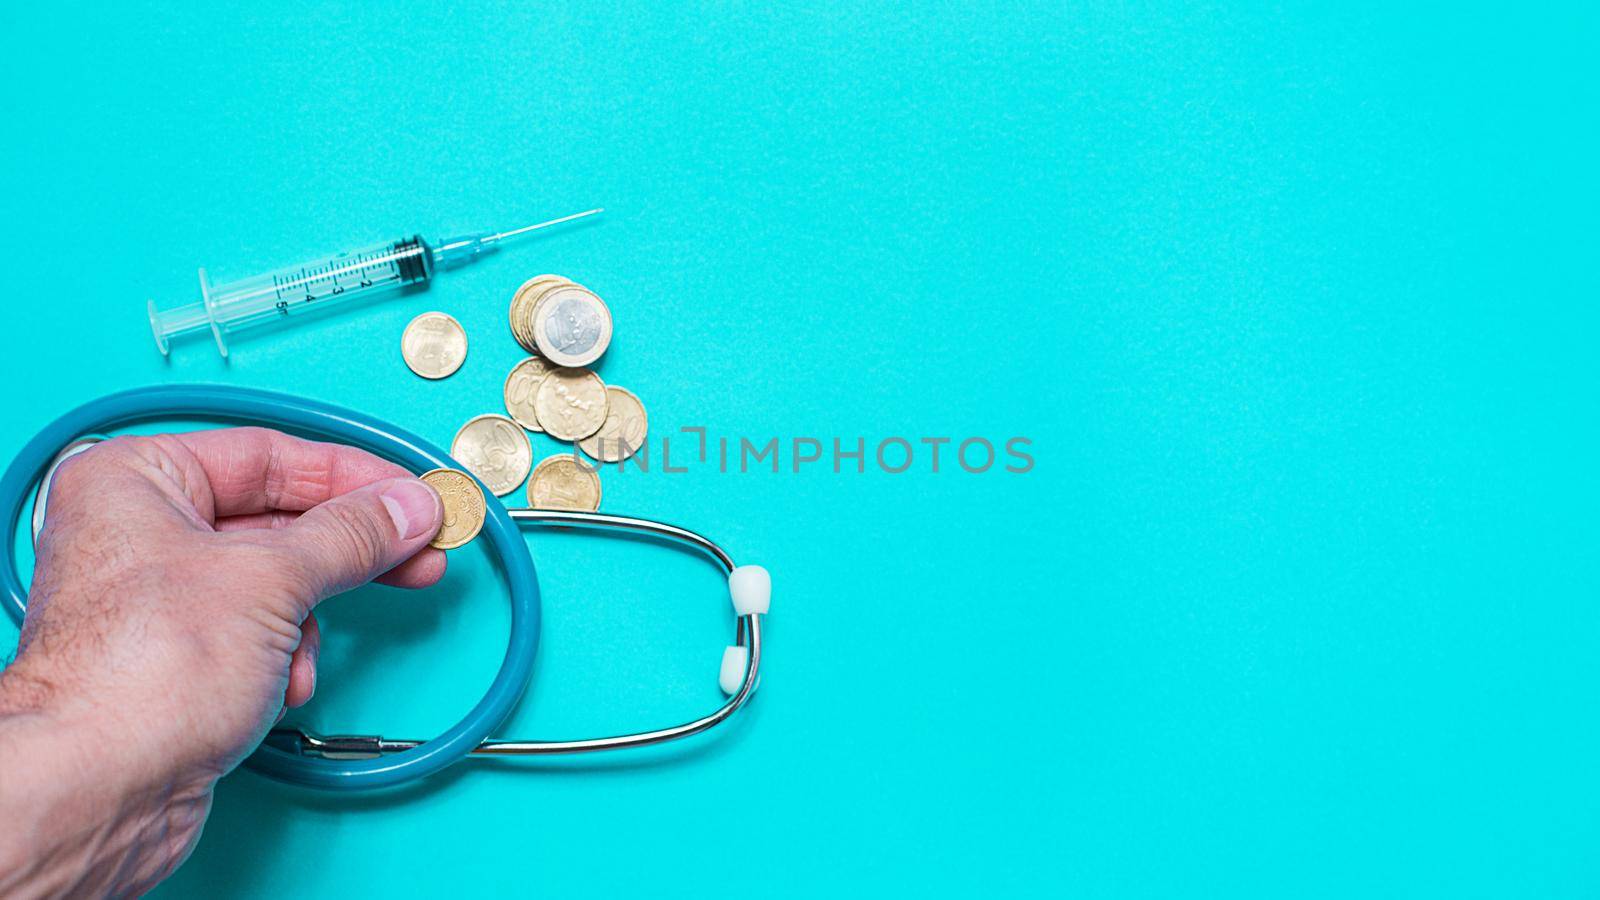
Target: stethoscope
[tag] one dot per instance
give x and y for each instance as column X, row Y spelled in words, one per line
column 359, row 762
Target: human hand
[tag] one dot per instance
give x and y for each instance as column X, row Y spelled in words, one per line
column 169, row 626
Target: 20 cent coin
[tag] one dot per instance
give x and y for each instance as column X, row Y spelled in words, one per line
column 571, row 403
column 521, row 386
column 624, row 430
column 464, row 507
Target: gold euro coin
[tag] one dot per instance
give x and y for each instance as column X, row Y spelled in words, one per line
column 434, row 345
column 522, row 307
column 624, row 430
column 464, row 507
column 521, row 386
column 530, row 309
column 564, row 482
column 495, row 449
column 571, row 403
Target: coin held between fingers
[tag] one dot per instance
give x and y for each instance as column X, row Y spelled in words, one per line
column 464, row 507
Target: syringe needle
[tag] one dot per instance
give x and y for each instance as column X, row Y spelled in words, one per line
column 527, row 228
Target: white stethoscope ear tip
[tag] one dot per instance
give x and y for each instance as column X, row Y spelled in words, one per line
column 751, row 590
column 735, row 660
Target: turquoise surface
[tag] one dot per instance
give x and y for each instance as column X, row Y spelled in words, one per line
column 1294, row 304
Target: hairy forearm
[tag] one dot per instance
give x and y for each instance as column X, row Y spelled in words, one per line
column 75, row 820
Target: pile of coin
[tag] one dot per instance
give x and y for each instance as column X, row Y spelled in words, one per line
column 567, row 327
column 560, row 320
column 606, row 422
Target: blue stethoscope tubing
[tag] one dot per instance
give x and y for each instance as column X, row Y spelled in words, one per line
column 324, row 420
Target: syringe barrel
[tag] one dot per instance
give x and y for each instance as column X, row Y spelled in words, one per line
column 293, row 290
column 321, row 283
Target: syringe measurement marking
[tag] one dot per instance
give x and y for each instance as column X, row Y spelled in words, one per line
column 306, row 277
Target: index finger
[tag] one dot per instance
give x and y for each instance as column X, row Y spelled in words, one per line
column 256, row 470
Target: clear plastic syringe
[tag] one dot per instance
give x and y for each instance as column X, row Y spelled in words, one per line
column 322, row 283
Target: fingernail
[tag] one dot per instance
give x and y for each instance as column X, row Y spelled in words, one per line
column 414, row 507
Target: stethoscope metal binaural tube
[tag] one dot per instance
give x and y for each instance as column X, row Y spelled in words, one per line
column 295, row 742
column 747, row 634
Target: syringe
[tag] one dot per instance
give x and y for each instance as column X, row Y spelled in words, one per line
column 321, row 283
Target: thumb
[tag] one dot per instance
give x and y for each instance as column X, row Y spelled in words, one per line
column 355, row 537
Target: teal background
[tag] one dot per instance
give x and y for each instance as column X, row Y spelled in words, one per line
column 1295, row 302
